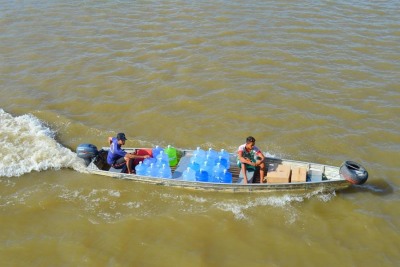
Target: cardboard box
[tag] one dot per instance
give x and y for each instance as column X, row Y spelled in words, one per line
column 278, row 174
column 299, row 175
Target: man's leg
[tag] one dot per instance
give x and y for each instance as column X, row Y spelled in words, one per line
column 243, row 170
column 262, row 173
column 120, row 164
column 129, row 162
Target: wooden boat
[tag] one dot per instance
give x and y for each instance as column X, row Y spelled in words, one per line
column 317, row 176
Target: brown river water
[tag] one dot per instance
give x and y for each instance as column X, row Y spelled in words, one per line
column 316, row 81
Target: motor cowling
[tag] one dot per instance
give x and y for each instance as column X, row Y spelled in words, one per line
column 353, row 172
column 87, row 152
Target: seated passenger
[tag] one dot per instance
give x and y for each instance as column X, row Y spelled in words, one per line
column 119, row 158
column 250, row 157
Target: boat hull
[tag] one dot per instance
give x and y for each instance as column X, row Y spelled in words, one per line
column 332, row 180
column 324, row 186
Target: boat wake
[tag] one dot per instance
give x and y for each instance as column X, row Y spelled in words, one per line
column 28, row 144
column 286, row 202
column 105, row 205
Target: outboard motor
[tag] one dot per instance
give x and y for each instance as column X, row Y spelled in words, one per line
column 87, row 152
column 353, row 172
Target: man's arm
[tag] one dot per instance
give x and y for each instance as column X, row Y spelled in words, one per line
column 244, row 160
column 261, row 155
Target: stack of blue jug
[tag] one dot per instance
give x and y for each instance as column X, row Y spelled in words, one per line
column 209, row 166
column 156, row 166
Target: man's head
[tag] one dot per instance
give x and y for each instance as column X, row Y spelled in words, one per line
column 250, row 139
column 250, row 142
column 121, row 138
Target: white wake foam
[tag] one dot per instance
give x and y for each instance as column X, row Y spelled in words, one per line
column 282, row 201
column 27, row 144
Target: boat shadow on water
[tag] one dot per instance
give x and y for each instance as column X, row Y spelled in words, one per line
column 377, row 187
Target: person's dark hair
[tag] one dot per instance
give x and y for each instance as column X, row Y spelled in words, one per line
column 250, row 139
column 121, row 136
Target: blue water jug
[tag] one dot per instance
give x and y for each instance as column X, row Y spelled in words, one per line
column 140, row 169
column 207, row 166
column 149, row 161
column 223, row 162
column 165, row 171
column 224, row 154
column 226, row 177
column 194, row 166
column 216, row 179
column 198, row 159
column 162, row 158
column 211, row 154
column 199, row 152
column 217, row 173
column 202, row 176
column 156, row 150
column 152, row 170
column 189, row 175
column 210, row 160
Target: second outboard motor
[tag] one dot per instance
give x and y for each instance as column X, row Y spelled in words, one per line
column 87, row 152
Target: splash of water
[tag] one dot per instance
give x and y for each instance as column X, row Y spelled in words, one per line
column 27, row 144
column 285, row 202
